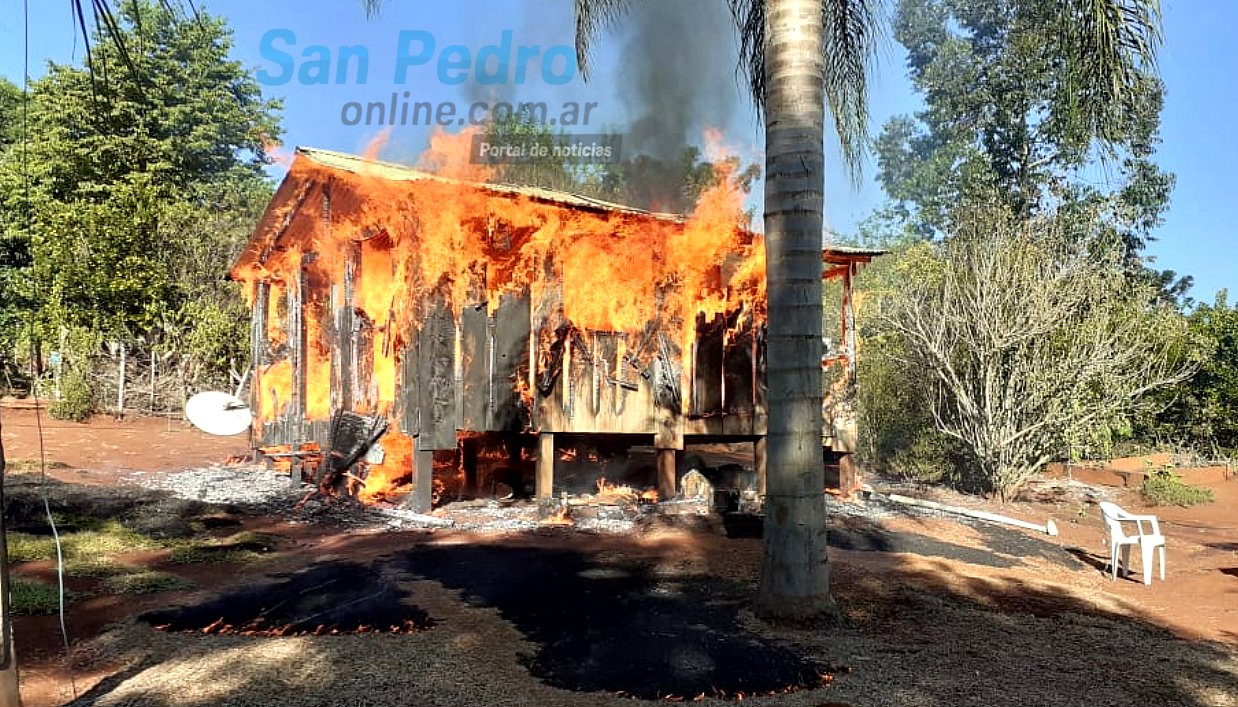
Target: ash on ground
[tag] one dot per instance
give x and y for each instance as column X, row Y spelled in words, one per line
column 258, row 489
column 255, row 488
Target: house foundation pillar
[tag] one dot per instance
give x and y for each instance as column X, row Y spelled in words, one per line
column 543, row 483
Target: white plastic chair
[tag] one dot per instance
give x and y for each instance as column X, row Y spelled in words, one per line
column 1147, row 536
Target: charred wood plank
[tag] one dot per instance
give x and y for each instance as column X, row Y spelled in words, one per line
column 362, row 361
column 475, row 375
column 258, row 343
column 509, row 349
column 437, row 374
column 707, row 366
column 409, row 398
column 738, row 373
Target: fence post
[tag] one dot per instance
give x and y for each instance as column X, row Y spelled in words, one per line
column 120, row 385
column 152, row 380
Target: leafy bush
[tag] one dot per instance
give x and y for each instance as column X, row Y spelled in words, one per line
column 892, row 414
column 931, row 458
column 1162, row 487
column 77, row 397
column 24, row 547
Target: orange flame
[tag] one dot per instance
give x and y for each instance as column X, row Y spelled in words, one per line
column 561, row 516
column 412, row 242
column 393, row 475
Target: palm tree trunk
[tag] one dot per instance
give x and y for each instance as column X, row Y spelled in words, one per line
column 795, row 574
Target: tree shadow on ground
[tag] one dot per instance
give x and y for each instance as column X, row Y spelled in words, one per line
column 1003, row 547
column 871, row 537
column 155, row 514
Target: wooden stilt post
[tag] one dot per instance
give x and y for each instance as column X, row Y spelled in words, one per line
column 667, row 488
column 848, row 475
column 543, row 485
column 758, row 463
column 423, row 481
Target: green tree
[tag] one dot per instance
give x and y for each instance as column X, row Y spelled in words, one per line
column 1202, row 411
column 1006, row 125
column 1005, row 120
column 10, row 111
column 146, row 172
column 14, row 241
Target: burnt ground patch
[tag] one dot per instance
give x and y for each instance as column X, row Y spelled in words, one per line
column 335, row 597
column 1003, row 547
column 619, row 627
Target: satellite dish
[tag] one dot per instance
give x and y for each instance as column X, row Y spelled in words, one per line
column 218, row 413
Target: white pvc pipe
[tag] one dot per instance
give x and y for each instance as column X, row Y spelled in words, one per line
column 1049, row 528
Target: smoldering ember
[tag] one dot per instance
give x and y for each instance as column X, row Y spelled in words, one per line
column 398, row 314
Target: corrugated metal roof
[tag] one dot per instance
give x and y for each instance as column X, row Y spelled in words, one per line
column 397, row 172
column 268, row 228
column 854, row 250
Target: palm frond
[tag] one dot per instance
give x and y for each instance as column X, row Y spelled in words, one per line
column 372, row 7
column 1110, row 47
column 852, row 31
column 591, row 16
column 749, row 18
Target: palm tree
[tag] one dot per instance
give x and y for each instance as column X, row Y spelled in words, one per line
column 799, row 55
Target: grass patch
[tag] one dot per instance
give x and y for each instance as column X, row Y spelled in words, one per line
column 32, row 598
column 95, row 567
column 30, row 466
column 240, row 547
column 106, row 537
column 145, row 582
column 24, row 547
column 1162, row 487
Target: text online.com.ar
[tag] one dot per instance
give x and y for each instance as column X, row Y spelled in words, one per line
column 401, row 109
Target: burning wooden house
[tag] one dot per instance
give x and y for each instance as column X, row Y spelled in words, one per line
column 441, row 309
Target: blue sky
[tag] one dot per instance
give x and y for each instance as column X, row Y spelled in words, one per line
column 1198, row 62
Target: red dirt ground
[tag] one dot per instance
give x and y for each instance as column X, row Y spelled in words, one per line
column 1196, row 601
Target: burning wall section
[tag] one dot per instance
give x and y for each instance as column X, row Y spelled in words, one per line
column 448, row 306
